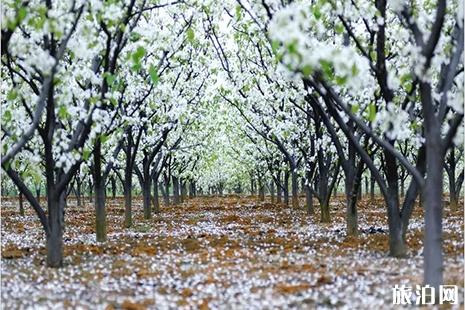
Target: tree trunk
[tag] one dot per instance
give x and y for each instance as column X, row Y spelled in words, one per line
column 146, row 185
column 412, row 192
column 397, row 245
column 21, row 204
column 99, row 183
column 402, row 186
column 325, row 216
column 286, row 188
column 272, row 192
column 38, row 194
column 324, row 195
column 372, row 189
column 252, row 186
column 146, row 199
column 453, row 196
column 91, row 190
column 128, row 190
column 176, row 199
column 166, row 192
column 191, row 189
column 261, row 190
column 54, row 245
column 78, row 192
column 432, row 194
column 309, row 199
column 183, row 191
column 156, row 201
column 113, row 187
column 351, row 207
column 295, row 188
column 367, row 186
column 279, row 190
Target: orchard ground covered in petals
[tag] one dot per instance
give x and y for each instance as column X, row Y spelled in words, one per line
column 217, row 253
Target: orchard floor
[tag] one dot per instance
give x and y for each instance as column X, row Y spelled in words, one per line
column 217, row 253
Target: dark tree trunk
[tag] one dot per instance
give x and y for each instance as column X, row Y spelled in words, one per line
column 279, row 190
column 324, row 195
column 91, row 190
column 166, row 191
column 453, row 195
column 272, row 192
column 113, row 187
column 261, row 190
column 252, row 186
column 286, row 188
column 21, row 204
column 309, row 199
column 156, row 201
column 432, row 192
column 372, row 188
column 353, row 186
column 176, row 198
column 412, row 192
column 38, row 194
column 433, row 215
column 191, row 189
column 56, row 204
column 402, row 186
column 367, row 186
column 295, row 187
column 128, row 188
column 78, row 191
column 99, row 183
column 397, row 245
column 183, row 190
column 351, row 208
column 146, row 185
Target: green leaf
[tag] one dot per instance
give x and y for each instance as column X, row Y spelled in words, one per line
column 21, row 14
column 190, row 35
column 7, row 116
column 316, row 11
column 134, row 36
column 12, row 95
column 339, row 28
column 86, row 154
column 137, row 57
column 307, row 70
column 408, row 87
column 238, row 12
column 341, row 80
column 327, row 68
column 354, row 108
column 406, row 82
column 63, row 112
column 371, row 112
column 354, row 70
column 113, row 101
column 275, row 46
column 104, row 138
column 292, row 48
column 153, row 74
column 110, row 78
column 405, row 78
